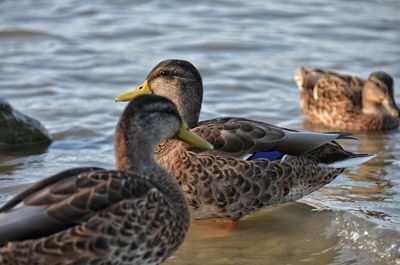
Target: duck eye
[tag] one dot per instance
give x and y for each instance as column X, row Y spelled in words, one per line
column 164, row 73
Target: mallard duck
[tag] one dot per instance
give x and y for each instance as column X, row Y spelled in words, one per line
column 137, row 215
column 281, row 165
column 348, row 103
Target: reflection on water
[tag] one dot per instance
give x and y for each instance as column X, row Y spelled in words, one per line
column 286, row 234
column 290, row 234
column 17, row 159
column 63, row 62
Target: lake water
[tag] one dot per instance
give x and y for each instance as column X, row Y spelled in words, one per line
column 63, row 62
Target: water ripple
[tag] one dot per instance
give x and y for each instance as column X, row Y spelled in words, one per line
column 63, row 62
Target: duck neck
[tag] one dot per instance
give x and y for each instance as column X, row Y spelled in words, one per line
column 189, row 112
column 133, row 153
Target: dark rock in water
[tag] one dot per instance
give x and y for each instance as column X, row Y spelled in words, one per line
column 18, row 130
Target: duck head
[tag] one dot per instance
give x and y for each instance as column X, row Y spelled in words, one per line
column 378, row 94
column 177, row 80
column 146, row 121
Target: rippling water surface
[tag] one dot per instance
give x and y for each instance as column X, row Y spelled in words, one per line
column 64, row 61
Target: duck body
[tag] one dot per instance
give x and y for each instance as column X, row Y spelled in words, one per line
column 346, row 102
column 91, row 217
column 134, row 215
column 253, row 164
column 229, row 187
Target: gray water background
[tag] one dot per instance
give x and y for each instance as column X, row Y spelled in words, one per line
column 63, row 62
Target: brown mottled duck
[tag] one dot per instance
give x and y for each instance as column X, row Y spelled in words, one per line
column 136, row 215
column 253, row 164
column 348, row 103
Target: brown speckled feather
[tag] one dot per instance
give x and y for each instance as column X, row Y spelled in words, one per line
column 111, row 215
column 339, row 101
column 224, row 186
column 238, row 136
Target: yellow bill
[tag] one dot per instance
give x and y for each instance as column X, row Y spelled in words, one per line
column 186, row 135
column 143, row 89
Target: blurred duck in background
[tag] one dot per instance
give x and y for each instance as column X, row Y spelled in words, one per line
column 348, row 103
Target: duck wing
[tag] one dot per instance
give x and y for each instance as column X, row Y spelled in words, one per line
column 65, row 200
column 241, row 137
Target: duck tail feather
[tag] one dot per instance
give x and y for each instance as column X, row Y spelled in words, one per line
column 351, row 161
column 344, row 135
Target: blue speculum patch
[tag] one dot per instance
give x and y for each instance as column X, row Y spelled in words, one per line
column 273, row 155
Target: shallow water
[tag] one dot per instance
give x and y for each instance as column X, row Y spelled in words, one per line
column 64, row 61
